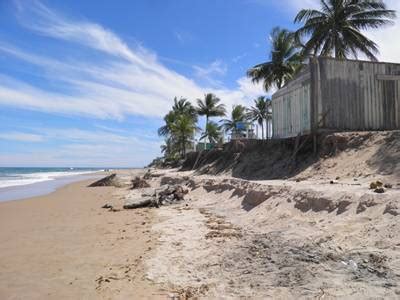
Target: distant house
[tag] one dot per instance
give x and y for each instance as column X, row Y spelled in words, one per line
column 338, row 95
column 243, row 130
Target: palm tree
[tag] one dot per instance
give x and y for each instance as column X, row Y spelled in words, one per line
column 238, row 115
column 336, row 27
column 169, row 119
column 183, row 106
column 269, row 117
column 212, row 132
column 210, row 107
column 259, row 112
column 285, row 61
column 183, row 129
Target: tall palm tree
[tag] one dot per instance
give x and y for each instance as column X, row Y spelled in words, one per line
column 183, row 106
column 285, row 61
column 259, row 112
column 238, row 115
column 169, row 119
column 210, row 107
column 183, row 129
column 269, row 118
column 336, row 27
column 212, row 132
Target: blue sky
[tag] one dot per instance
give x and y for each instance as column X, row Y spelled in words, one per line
column 86, row 83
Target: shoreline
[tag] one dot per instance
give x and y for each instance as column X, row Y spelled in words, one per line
column 42, row 188
column 63, row 245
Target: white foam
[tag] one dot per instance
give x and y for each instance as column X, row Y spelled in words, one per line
column 25, row 179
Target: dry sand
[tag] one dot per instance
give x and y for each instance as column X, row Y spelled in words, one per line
column 65, row 246
column 280, row 240
column 299, row 238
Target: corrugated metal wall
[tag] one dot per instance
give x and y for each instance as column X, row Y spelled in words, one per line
column 357, row 95
column 291, row 108
column 338, row 95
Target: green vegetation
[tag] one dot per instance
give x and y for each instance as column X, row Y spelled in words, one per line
column 210, row 107
column 179, row 129
column 212, row 133
column 334, row 30
column 336, row 27
column 286, row 61
column 238, row 115
column 261, row 113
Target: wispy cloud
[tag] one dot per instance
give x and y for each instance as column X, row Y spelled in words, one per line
column 211, row 72
column 112, row 80
column 77, row 147
column 183, row 36
column 21, row 137
column 128, row 81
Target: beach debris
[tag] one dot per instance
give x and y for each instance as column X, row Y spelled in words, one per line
column 147, row 175
column 379, row 190
column 133, row 203
column 388, row 185
column 139, row 183
column 392, row 208
column 111, row 180
column 375, row 185
column 164, row 195
column 351, row 264
column 107, row 206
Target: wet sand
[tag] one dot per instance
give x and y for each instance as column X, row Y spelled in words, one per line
column 65, row 246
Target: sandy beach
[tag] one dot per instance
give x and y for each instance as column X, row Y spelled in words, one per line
column 65, row 246
column 212, row 236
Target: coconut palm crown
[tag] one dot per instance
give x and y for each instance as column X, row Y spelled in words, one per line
column 184, row 107
column 238, row 115
column 212, row 132
column 260, row 112
column 335, row 29
column 210, row 107
column 285, row 61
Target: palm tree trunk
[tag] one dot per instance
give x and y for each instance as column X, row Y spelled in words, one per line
column 262, row 130
column 205, row 140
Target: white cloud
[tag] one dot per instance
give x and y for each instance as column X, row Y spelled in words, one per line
column 386, row 38
column 211, row 72
column 21, row 137
column 288, row 6
column 77, row 147
column 129, row 81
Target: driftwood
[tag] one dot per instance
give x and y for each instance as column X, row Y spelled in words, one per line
column 139, row 183
column 164, row 195
column 140, row 202
column 110, row 180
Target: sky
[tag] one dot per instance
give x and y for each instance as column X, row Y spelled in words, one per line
column 86, row 83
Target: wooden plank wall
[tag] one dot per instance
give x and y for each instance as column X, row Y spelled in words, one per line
column 291, row 108
column 357, row 95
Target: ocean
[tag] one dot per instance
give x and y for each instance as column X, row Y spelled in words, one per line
column 12, row 177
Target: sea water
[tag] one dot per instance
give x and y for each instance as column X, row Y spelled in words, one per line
column 11, row 177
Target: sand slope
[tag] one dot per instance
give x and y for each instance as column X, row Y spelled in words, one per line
column 280, row 239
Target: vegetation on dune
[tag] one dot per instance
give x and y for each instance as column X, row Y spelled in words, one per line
column 210, row 107
column 261, row 113
column 179, row 129
column 238, row 115
column 212, row 133
column 334, row 30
